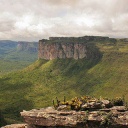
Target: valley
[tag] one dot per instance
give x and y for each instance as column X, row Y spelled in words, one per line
column 16, row 55
column 104, row 73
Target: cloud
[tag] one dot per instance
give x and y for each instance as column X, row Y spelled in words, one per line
column 32, row 20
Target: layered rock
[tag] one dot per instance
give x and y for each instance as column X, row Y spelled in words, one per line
column 62, row 50
column 66, row 47
column 93, row 113
column 49, row 117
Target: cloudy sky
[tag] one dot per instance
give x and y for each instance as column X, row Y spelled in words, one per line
column 32, row 20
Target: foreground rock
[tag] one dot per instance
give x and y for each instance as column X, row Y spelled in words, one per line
column 16, row 126
column 79, row 112
column 49, row 117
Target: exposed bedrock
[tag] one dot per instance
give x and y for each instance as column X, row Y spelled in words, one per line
column 69, row 47
column 62, row 50
column 115, row 117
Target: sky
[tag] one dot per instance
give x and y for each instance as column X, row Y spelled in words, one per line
column 32, row 20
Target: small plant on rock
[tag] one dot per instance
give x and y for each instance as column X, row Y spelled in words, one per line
column 107, row 120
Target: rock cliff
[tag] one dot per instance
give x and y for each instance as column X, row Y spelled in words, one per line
column 67, row 47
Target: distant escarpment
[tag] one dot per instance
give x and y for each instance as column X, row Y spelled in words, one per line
column 70, row 47
column 27, row 46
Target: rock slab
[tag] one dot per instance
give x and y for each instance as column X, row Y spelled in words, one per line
column 49, row 117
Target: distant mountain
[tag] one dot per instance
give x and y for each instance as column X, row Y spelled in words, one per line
column 6, row 46
column 27, row 46
column 12, row 48
column 16, row 55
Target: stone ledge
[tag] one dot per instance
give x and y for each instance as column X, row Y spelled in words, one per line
column 49, row 117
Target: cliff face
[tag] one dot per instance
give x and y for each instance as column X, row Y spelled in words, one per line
column 66, row 47
column 62, row 50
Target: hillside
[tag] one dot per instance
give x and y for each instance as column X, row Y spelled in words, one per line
column 36, row 86
column 16, row 55
column 16, row 51
column 6, row 46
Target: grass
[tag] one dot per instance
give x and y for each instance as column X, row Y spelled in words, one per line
column 14, row 60
column 21, row 56
column 38, row 84
column 7, row 66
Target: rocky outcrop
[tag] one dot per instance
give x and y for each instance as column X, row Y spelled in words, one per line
column 67, row 47
column 62, row 50
column 49, row 117
column 79, row 112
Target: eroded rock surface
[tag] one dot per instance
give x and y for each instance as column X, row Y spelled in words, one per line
column 67, row 47
column 49, row 117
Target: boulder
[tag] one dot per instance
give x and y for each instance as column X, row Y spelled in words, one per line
column 62, row 107
column 84, row 106
column 119, row 108
column 106, row 103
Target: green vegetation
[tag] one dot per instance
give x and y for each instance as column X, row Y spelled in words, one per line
column 2, row 120
column 107, row 120
column 77, row 102
column 15, row 61
column 7, row 66
column 21, row 56
column 38, row 84
column 15, row 56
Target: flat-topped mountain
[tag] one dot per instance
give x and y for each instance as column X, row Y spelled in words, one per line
column 68, row 47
